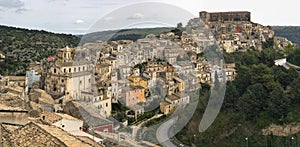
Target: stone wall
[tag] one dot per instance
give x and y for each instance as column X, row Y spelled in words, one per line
column 225, row 16
column 285, row 130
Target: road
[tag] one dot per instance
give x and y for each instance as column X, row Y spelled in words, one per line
column 136, row 128
column 163, row 133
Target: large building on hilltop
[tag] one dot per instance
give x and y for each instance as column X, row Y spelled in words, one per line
column 234, row 31
column 68, row 76
column 225, row 16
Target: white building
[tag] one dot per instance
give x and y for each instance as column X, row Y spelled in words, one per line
column 63, row 121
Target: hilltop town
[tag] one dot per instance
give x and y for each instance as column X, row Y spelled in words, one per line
column 88, row 95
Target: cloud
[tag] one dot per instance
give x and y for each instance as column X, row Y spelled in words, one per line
column 136, row 16
column 79, row 21
column 63, row 2
column 11, row 3
column 57, row 1
column 21, row 10
column 108, row 18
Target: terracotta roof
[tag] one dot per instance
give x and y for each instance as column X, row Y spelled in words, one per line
column 11, row 127
column 35, row 134
column 12, row 101
column 9, row 108
column 45, row 97
column 173, row 97
column 54, row 117
column 16, row 78
column 89, row 141
column 51, row 58
column 63, row 136
column 5, row 136
column 164, row 103
column 66, row 116
column 90, row 115
column 15, row 89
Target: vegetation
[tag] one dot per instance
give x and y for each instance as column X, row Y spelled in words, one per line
column 120, row 113
column 262, row 94
column 140, row 118
column 125, row 34
column 155, row 121
column 22, row 46
column 289, row 32
column 294, row 56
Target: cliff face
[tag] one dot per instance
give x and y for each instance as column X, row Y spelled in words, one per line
column 285, row 130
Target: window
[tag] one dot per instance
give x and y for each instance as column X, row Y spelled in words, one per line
column 83, row 68
column 64, row 70
column 62, row 81
column 78, row 68
column 69, row 69
column 106, row 104
column 54, row 70
column 75, row 69
column 105, row 130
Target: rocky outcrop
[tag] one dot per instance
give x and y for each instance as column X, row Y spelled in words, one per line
column 285, row 130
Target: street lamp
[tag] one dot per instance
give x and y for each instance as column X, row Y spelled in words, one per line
column 292, row 140
column 246, row 141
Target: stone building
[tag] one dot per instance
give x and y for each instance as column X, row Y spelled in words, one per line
column 225, row 16
column 14, row 115
column 40, row 97
column 134, row 95
column 6, row 81
column 63, row 121
column 90, row 116
column 68, row 76
column 173, row 101
column 230, row 72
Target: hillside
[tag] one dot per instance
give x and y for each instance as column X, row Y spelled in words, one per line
column 262, row 94
column 125, row 34
column 294, row 57
column 22, row 46
column 292, row 33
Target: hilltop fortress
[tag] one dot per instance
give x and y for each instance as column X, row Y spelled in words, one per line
column 235, row 31
column 225, row 16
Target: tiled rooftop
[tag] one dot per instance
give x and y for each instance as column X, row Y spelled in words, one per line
column 35, row 134
column 54, row 117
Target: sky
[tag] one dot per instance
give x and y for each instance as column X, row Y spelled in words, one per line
column 79, row 16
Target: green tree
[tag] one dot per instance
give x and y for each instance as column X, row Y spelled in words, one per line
column 231, row 96
column 294, row 90
column 294, row 57
column 253, row 101
column 278, row 103
column 243, row 78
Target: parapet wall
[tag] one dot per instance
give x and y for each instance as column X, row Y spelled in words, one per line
column 225, row 16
